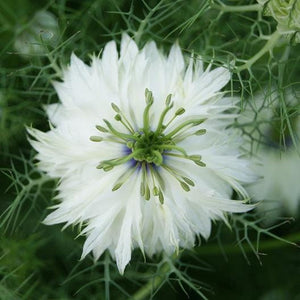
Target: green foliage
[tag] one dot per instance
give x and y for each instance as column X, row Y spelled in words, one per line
column 39, row 262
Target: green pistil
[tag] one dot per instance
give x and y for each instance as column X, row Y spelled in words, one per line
column 149, row 149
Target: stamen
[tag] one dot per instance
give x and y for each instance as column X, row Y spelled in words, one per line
column 117, row 161
column 197, row 160
column 119, row 112
column 143, row 182
column 169, row 106
column 101, row 128
column 115, row 107
column 106, row 168
column 147, row 193
column 149, row 101
column 112, row 139
column 149, row 148
column 120, row 119
column 188, row 181
column 185, row 186
column 193, row 122
column 95, row 138
column 200, row 163
column 142, row 189
column 159, row 180
column 181, row 136
column 156, row 190
column 121, row 135
column 123, row 178
column 173, row 147
column 200, row 132
column 179, row 112
column 161, row 197
column 181, row 179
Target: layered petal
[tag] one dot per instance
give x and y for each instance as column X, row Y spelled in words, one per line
column 141, row 144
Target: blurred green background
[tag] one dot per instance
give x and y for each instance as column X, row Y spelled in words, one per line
column 40, row 262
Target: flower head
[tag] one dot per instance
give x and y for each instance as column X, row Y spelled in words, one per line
column 32, row 37
column 275, row 141
column 141, row 145
column 286, row 13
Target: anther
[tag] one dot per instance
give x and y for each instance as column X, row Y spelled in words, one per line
column 155, row 191
column 200, row 163
column 188, row 181
column 148, row 97
column 161, row 197
column 195, row 157
column 147, row 193
column 142, row 189
column 200, row 132
column 117, row 186
column 118, row 117
column 185, row 186
column 101, row 128
column 95, row 138
column 149, row 148
column 115, row 108
column 179, row 111
column 168, row 100
column 107, row 168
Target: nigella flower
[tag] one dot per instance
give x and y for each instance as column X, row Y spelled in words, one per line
column 273, row 123
column 141, row 145
column 32, row 38
column 287, row 15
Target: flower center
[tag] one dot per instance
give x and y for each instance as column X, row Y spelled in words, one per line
column 147, row 149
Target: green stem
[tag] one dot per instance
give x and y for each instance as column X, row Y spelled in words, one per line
column 234, row 249
column 166, row 268
column 153, row 283
column 238, row 8
column 266, row 48
column 141, row 29
column 10, row 214
column 107, row 278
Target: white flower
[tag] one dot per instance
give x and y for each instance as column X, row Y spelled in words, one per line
column 159, row 166
column 41, row 30
column 278, row 189
column 287, row 15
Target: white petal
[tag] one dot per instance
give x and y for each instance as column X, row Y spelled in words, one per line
column 175, row 60
column 129, row 50
column 121, row 220
column 109, row 64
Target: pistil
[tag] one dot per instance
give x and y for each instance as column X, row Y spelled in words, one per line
column 150, row 149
